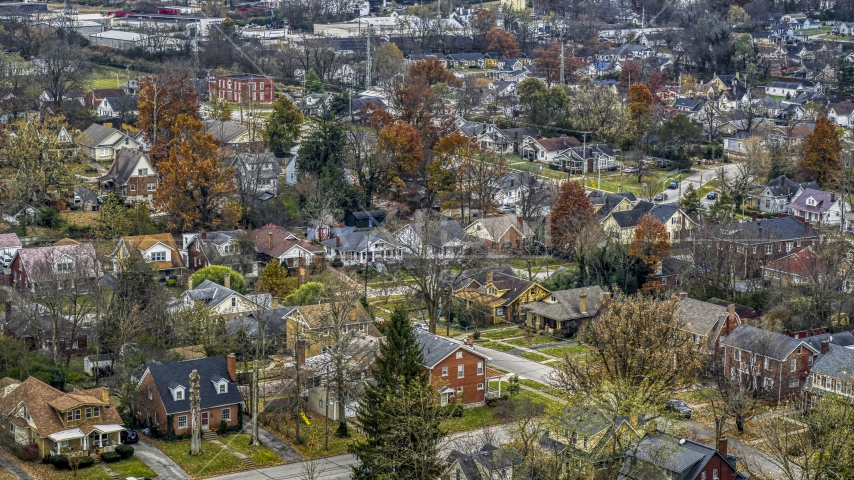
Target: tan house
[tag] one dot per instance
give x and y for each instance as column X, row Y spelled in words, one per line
column 497, row 233
column 159, row 249
column 501, row 294
column 102, row 142
column 311, row 323
column 75, row 423
column 622, row 225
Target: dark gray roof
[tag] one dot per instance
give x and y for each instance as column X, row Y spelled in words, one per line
column 764, row 342
column 843, row 339
column 473, row 129
column 435, row 348
column 87, row 195
column 700, row 317
column 96, row 134
column 680, row 457
column 838, row 362
column 630, row 218
column 465, row 57
column 690, row 104
column 440, row 232
column 213, row 294
column 515, row 180
column 375, row 214
column 778, row 228
column 124, row 165
column 224, row 132
column 566, row 304
column 179, row 372
column 274, row 322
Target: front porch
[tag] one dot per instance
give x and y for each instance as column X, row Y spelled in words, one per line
column 73, row 442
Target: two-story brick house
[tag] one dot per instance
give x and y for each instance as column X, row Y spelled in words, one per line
column 767, row 361
column 458, row 373
column 243, row 88
column 164, row 391
column 74, row 423
column 132, row 175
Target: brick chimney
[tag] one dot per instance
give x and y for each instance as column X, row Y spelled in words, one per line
column 825, row 346
column 753, row 217
column 302, row 345
column 204, row 237
column 269, row 240
column 582, row 303
column 105, row 395
column 832, row 197
column 226, row 279
column 520, row 224
column 783, row 181
column 683, row 295
column 231, row 365
column 337, row 240
column 722, row 446
column 488, row 277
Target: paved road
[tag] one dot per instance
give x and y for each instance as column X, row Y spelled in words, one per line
column 698, row 178
column 519, row 366
column 332, row 468
column 162, row 465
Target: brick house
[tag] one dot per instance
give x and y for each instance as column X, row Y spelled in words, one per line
column 75, row 423
column 35, row 267
column 273, row 241
column 684, row 459
column 458, row 372
column 706, row 322
column 164, row 389
column 768, row 361
column 132, row 175
column 505, row 232
column 243, row 87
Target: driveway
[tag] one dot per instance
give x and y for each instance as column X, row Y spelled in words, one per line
column 518, row 365
column 282, row 449
column 162, row 465
column 331, row 468
column 11, row 465
column 698, row 178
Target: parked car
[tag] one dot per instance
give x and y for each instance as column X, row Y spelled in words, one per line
column 630, row 170
column 660, row 197
column 712, row 196
column 506, row 209
column 673, row 185
column 129, row 436
column 680, row 407
column 422, row 326
column 5, row 260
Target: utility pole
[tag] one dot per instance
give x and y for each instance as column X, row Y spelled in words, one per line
column 368, row 69
column 584, row 160
column 562, row 66
column 327, row 408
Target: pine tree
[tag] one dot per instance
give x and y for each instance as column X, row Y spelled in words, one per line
column 844, row 84
column 398, row 412
column 690, row 202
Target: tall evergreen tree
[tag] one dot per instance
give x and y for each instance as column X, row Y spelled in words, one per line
column 690, row 201
column 398, row 413
column 844, row 79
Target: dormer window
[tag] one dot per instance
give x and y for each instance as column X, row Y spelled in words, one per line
column 554, row 299
column 158, row 256
column 220, row 384
column 178, row 391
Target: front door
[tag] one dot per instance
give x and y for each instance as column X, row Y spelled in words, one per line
column 204, row 420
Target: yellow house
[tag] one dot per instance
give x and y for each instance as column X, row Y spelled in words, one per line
column 490, row 60
column 621, row 225
column 312, row 325
column 502, row 294
column 74, row 424
column 605, row 203
column 159, row 249
column 517, row 5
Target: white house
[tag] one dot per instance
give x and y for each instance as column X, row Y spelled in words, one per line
column 362, row 247
column 118, row 106
column 546, row 149
column 817, row 206
column 779, row 192
column 841, row 113
column 102, row 142
column 438, row 238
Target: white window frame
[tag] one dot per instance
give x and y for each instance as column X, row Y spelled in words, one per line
column 444, row 371
column 461, row 371
column 793, row 365
column 182, row 422
column 459, row 355
column 225, row 414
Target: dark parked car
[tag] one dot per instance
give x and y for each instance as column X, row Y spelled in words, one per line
column 679, row 407
column 660, row 197
column 129, row 436
column 673, row 185
column 712, row 196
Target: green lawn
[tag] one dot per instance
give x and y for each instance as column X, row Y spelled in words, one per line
column 559, row 352
column 213, row 461
column 533, row 384
column 695, row 397
column 313, row 437
column 475, row 417
column 261, row 456
column 541, row 168
column 103, row 77
column 536, row 357
column 534, row 340
column 705, row 189
column 501, row 347
column 502, row 334
column 132, row 467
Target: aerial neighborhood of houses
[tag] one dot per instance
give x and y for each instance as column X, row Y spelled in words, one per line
column 368, row 239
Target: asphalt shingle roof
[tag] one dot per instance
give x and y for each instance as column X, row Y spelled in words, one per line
column 179, row 372
column 435, row 348
column 764, row 342
column 567, row 304
column 838, row 362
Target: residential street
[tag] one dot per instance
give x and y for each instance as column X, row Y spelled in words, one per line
column 698, row 178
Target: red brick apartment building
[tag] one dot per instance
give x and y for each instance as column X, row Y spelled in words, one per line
column 457, row 371
column 244, row 87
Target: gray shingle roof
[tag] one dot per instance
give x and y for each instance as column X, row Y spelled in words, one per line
column 566, row 305
column 357, row 241
column 779, row 228
column 224, row 132
column 630, row 218
column 838, row 362
column 842, row 339
column 763, row 342
column 179, row 372
column 96, row 134
column 123, row 167
column 700, row 317
column 274, row 323
column 435, row 348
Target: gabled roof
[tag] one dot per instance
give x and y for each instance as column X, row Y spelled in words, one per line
column 770, row 229
column 435, row 348
column 824, row 201
column 144, row 242
column 273, row 320
column 567, row 304
column 8, row 240
column 357, row 241
column 179, row 372
column 837, row 362
column 439, row 232
column 498, row 226
column 764, row 342
column 679, row 457
column 275, row 241
column 212, row 294
column 364, row 215
column 124, row 166
column 224, row 132
column 840, row 339
column 96, row 134
column 699, row 317
column 557, row 144
column 317, row 316
column 630, row 218
column 801, row 263
column 844, row 107
column 32, row 258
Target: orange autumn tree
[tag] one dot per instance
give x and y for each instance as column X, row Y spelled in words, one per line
column 502, row 41
column 195, row 184
column 571, row 215
column 650, row 246
column 162, row 98
column 444, row 171
column 430, row 71
column 401, row 143
column 822, row 148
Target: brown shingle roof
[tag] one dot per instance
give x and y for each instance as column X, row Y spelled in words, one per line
column 275, row 241
column 144, row 242
column 317, row 315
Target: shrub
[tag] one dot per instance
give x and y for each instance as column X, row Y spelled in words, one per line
column 58, row 461
column 170, row 429
column 337, row 263
column 30, row 453
column 216, row 274
column 239, row 416
column 124, row 451
column 476, row 335
column 171, row 282
column 85, row 462
column 110, row 457
column 223, row 427
column 455, row 409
